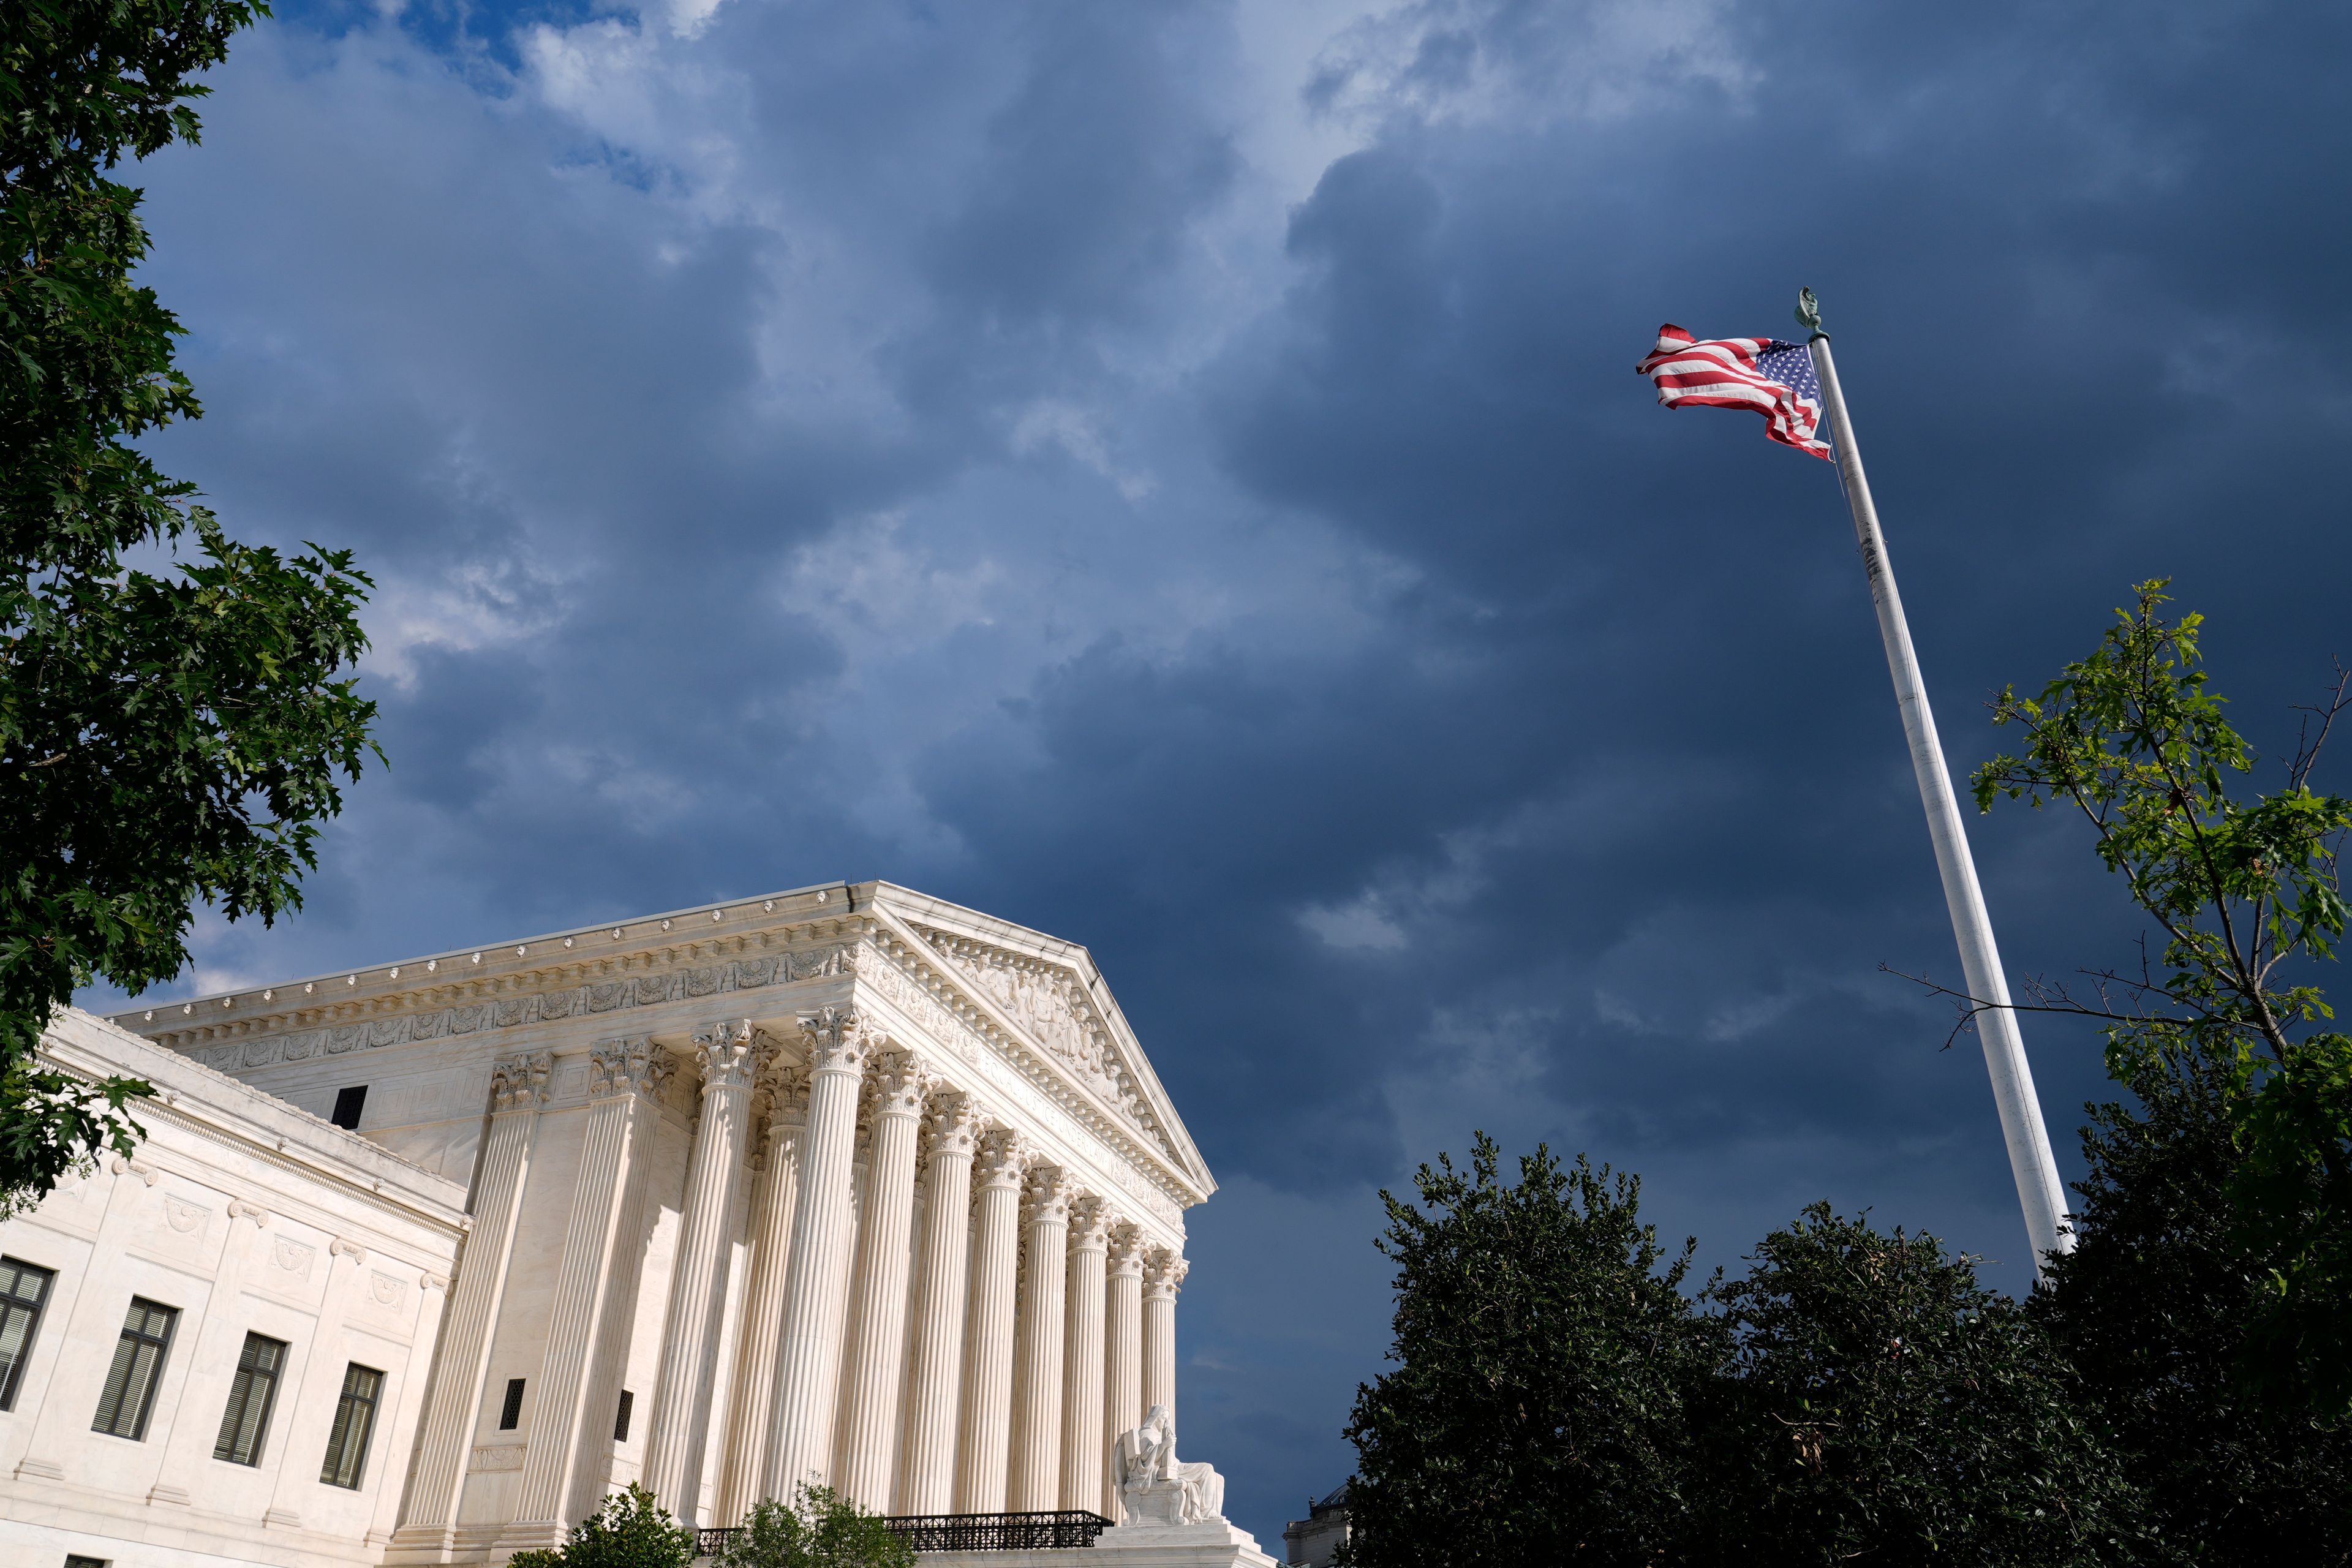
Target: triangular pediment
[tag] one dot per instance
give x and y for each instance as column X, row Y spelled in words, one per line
column 1050, row 993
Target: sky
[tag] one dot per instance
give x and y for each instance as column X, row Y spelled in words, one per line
column 1172, row 475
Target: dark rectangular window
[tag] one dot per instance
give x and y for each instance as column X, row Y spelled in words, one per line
column 24, row 1291
column 347, row 1445
column 129, row 1395
column 74, row 1559
column 349, row 1103
column 512, row 1410
column 621, row 1420
column 251, row 1394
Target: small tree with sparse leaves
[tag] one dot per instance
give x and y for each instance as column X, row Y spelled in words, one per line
column 819, row 1529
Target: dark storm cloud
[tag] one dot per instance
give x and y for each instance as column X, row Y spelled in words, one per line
column 1180, row 482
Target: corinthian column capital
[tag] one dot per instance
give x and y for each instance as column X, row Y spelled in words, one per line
column 953, row 1128
column 632, row 1065
column 728, row 1054
column 520, row 1082
column 901, row 1084
column 838, row 1040
column 1126, row 1249
column 1047, row 1197
column 1090, row 1221
column 1163, row 1273
column 1002, row 1161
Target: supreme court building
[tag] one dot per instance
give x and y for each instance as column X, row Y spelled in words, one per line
column 846, row 1184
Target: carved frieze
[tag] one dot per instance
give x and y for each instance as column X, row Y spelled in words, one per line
column 512, row 1012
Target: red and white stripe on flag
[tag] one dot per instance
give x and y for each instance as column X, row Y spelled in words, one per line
column 1774, row 378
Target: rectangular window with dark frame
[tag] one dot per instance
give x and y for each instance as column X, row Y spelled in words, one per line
column 621, row 1419
column 23, row 1291
column 347, row 1445
column 128, row 1396
column 75, row 1560
column 349, row 1103
column 251, row 1393
column 512, row 1410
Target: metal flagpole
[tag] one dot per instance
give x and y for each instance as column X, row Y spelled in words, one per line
column 2039, row 1192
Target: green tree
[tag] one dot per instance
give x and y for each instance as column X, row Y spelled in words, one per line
column 2152, row 1308
column 166, row 735
column 1545, row 1354
column 819, row 1529
column 2246, row 888
column 1882, row 1406
column 631, row 1531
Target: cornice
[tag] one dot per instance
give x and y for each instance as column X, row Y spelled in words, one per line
column 744, row 927
column 610, row 984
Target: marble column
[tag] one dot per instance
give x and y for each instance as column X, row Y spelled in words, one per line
column 1035, row 1481
column 1122, row 1351
column 1083, row 1453
column 569, row 1451
column 866, row 1449
column 994, row 1272
column 935, row 1356
column 714, row 1195
column 518, row 1087
column 816, row 1287
column 1164, row 1276
column 775, row 1201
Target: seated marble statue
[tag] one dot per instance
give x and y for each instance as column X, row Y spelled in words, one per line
column 1155, row 1486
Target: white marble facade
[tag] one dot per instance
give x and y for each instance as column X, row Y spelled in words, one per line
column 847, row 1184
column 242, row 1234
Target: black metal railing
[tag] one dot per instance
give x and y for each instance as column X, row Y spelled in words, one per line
column 966, row 1531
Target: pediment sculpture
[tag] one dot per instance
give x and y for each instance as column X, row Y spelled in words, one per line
column 1155, row 1486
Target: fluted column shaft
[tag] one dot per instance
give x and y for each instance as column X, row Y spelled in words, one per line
column 569, row 1425
column 1164, row 1276
column 518, row 1086
column 816, row 1289
column 987, row 1325
column 775, row 1201
column 935, row 1356
column 868, row 1448
column 714, row 1195
column 1122, row 1352
column 1082, row 1451
column 1036, row 1478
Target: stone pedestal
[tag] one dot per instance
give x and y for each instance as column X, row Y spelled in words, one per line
column 1212, row 1543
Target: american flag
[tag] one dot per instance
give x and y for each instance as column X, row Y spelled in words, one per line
column 1774, row 378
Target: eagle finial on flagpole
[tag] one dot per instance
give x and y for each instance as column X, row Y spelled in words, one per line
column 1809, row 313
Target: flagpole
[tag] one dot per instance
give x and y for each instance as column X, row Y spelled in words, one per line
column 2039, row 1191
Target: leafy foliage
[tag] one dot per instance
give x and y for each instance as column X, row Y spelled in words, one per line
column 2249, row 897
column 2152, row 1309
column 631, row 1531
column 1882, row 1406
column 165, row 736
column 1545, row 1354
column 1854, row 1397
column 819, row 1529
